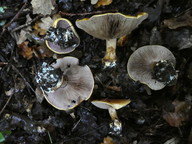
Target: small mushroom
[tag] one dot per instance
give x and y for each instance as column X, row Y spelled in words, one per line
column 112, row 105
column 62, row 38
column 73, row 85
column 109, row 27
column 153, row 65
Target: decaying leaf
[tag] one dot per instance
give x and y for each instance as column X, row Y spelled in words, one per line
column 94, row 2
column 181, row 21
column 42, row 51
column 39, row 95
column 108, row 140
column 25, row 50
column 181, row 114
column 103, row 3
column 44, row 24
column 22, row 36
column 43, row 7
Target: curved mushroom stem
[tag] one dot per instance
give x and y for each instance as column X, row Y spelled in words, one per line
column 110, row 57
column 113, row 113
column 115, row 125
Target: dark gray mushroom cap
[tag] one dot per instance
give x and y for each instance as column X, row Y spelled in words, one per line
column 141, row 62
column 65, row 24
column 110, row 25
column 77, row 85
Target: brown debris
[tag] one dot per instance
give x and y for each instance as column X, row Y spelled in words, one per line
column 108, row 140
column 103, row 3
column 181, row 21
column 25, row 50
column 181, row 114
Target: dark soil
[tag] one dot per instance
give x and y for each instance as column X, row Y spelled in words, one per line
column 32, row 122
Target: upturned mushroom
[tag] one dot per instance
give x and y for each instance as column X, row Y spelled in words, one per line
column 65, row 84
column 62, row 38
column 153, row 65
column 109, row 27
column 112, row 105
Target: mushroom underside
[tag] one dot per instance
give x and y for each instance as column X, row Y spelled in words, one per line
column 78, row 87
column 141, row 62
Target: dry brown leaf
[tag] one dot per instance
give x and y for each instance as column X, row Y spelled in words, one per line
column 43, row 7
column 44, row 24
column 181, row 21
column 108, row 140
column 25, row 50
column 103, row 3
column 42, row 51
column 181, row 114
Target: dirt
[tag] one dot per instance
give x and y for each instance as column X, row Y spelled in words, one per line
column 33, row 122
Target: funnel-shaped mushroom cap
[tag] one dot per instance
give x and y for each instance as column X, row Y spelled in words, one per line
column 66, row 32
column 114, row 103
column 110, row 25
column 141, row 62
column 77, row 85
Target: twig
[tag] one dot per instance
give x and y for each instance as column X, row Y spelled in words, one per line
column 10, row 96
column 50, row 139
column 26, row 82
column 6, row 104
column 3, row 63
column 26, row 24
column 13, row 19
column 86, row 13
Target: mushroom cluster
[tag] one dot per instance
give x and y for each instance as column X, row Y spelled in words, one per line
column 64, row 83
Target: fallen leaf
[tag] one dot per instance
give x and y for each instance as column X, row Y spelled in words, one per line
column 22, row 36
column 181, row 114
column 108, row 140
column 44, row 24
column 39, row 95
column 103, row 3
column 181, row 21
column 25, row 50
column 94, row 2
column 43, row 7
column 42, row 51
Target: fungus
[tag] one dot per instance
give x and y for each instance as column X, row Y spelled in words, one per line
column 153, row 65
column 109, row 27
column 112, row 105
column 62, row 38
column 67, row 88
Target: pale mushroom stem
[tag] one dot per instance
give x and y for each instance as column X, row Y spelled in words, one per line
column 113, row 113
column 110, row 57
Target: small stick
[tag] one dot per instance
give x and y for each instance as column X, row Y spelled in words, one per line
column 6, row 104
column 26, row 24
column 26, row 82
column 86, row 13
column 13, row 19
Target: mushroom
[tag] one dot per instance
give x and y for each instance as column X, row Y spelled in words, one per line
column 153, row 65
column 109, row 27
column 62, row 38
column 112, row 105
column 72, row 84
